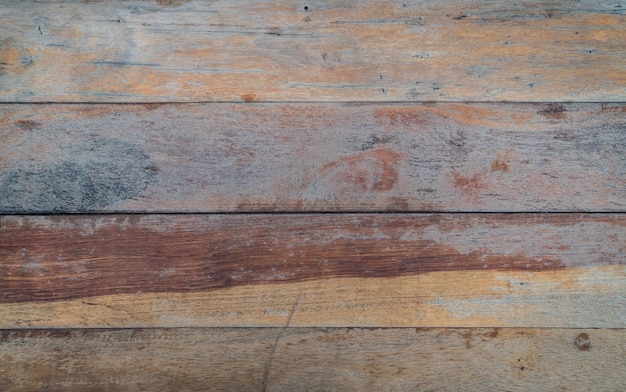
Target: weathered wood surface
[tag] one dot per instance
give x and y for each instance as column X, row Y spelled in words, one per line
column 328, row 50
column 295, row 359
column 235, row 106
column 312, row 157
column 557, row 270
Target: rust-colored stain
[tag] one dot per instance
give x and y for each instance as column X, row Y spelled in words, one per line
column 504, row 160
column 427, row 115
column 249, row 97
column 470, row 185
column 152, row 106
column 388, row 160
column 499, row 165
column 374, row 169
column 402, row 116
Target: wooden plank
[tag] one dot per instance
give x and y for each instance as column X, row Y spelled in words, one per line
column 312, row 157
column 275, row 359
column 540, row 270
column 328, row 50
column 133, row 360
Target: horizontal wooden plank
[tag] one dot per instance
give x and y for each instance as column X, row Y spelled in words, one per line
column 276, row 359
column 312, row 157
column 134, row 360
column 334, row 50
column 557, row 270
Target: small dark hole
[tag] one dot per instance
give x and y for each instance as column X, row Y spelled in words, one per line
column 522, row 368
column 306, row 8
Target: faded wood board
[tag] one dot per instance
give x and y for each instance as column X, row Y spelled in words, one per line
column 328, row 50
column 379, row 270
column 312, row 157
column 134, row 360
column 295, row 359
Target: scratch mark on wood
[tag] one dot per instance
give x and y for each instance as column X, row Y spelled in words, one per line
column 268, row 365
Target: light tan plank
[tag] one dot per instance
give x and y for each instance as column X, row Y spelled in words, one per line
column 450, row 360
column 334, row 50
column 312, row 157
column 456, row 270
column 313, row 359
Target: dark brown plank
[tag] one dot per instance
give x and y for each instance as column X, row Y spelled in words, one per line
column 409, row 270
column 299, row 359
column 312, row 157
column 328, row 50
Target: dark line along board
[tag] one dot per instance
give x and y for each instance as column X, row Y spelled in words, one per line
column 312, row 157
column 488, row 359
column 379, row 270
column 130, row 51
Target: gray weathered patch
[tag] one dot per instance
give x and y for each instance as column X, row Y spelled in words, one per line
column 95, row 175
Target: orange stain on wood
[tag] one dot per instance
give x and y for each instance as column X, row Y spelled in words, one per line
column 499, row 165
column 248, row 97
column 388, row 160
column 504, row 160
column 427, row 114
column 13, row 60
column 375, row 169
column 470, row 185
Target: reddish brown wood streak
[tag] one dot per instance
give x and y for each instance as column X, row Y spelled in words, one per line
column 128, row 254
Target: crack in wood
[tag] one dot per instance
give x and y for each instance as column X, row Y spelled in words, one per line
column 268, row 365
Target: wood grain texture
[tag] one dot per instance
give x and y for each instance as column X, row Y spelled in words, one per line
column 295, row 359
column 241, row 108
column 328, row 50
column 313, row 270
column 312, row 157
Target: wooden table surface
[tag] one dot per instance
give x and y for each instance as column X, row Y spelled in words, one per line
column 323, row 195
